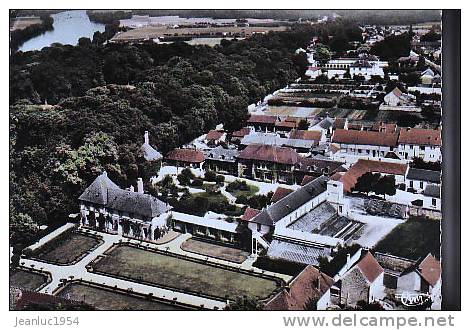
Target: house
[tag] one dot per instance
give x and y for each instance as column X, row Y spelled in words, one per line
column 267, row 163
column 221, row 160
column 185, row 158
column 299, row 145
column 238, row 135
column 365, row 68
column 214, row 137
column 418, row 179
column 363, row 166
column 107, row 207
column 262, row 138
column 149, row 152
column 432, row 197
column 427, row 77
column 325, row 126
column 308, row 290
column 287, row 124
column 316, row 167
column 403, row 277
column 397, row 98
column 421, row 143
column 365, row 144
column 361, row 280
column 315, row 136
column 280, row 193
column 262, row 123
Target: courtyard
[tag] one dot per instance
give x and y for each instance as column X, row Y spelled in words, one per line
column 183, row 274
column 68, row 248
column 215, row 250
column 27, row 280
column 104, row 298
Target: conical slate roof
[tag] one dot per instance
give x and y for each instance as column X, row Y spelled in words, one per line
column 105, row 192
column 97, row 192
column 150, row 153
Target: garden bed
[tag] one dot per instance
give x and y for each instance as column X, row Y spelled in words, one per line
column 184, row 274
column 215, row 250
column 28, row 279
column 112, row 299
column 68, row 248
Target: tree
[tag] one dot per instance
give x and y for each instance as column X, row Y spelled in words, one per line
column 303, row 124
column 385, row 186
column 366, row 182
column 244, row 304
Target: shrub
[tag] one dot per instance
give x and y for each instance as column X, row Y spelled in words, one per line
column 210, row 176
column 219, row 179
column 197, row 182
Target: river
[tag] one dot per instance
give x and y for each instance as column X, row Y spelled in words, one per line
column 69, row 26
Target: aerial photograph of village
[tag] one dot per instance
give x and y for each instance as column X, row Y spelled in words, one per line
column 225, row 160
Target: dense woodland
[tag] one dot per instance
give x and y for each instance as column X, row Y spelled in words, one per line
column 101, row 98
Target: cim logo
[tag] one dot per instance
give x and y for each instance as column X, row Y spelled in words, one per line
column 412, row 299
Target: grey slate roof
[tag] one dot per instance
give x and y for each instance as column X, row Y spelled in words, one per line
column 262, row 138
column 326, row 123
column 105, row 192
column 221, row 154
column 97, row 191
column 275, row 212
column 150, row 153
column 136, row 203
column 424, row 175
column 432, row 190
column 299, row 143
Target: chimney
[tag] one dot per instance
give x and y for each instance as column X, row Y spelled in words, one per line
column 131, row 188
column 318, row 282
column 140, row 186
column 105, row 173
column 146, row 137
column 348, row 259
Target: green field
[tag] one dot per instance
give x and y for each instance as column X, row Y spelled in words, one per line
column 105, row 299
column 412, row 239
column 186, row 275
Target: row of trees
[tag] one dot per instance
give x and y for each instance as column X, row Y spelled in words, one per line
column 18, row 37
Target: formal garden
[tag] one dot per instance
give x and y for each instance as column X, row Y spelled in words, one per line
column 183, row 274
column 27, row 279
column 112, row 299
column 215, row 250
column 67, row 248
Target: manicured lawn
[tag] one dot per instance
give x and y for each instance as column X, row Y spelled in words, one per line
column 247, row 193
column 26, row 280
column 215, row 250
column 187, row 275
column 212, row 198
column 70, row 248
column 412, row 239
column 104, row 299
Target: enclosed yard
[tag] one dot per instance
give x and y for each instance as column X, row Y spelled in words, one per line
column 67, row 249
column 106, row 299
column 215, row 250
column 412, row 239
column 190, row 276
column 27, row 280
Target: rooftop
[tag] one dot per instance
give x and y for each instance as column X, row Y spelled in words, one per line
column 365, row 137
column 424, row 175
column 420, row 136
column 186, row 155
column 269, row 153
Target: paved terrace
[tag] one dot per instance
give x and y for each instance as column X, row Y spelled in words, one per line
column 78, row 271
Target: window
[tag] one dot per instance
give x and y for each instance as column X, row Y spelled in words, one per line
column 390, row 281
column 411, row 183
column 258, row 226
column 433, row 201
column 421, row 184
column 421, row 148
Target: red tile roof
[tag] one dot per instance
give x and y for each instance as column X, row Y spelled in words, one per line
column 305, row 135
column 186, row 155
column 214, row 135
column 280, row 193
column 369, row 267
column 242, row 132
column 306, row 179
column 420, row 136
column 363, row 166
column 384, row 127
column 262, row 119
column 309, row 284
column 339, row 123
column 274, row 154
column 397, row 91
column 430, row 269
column 365, row 137
column 249, row 214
